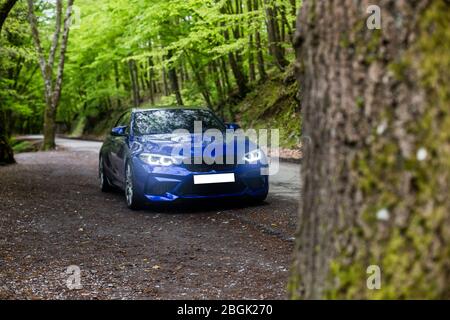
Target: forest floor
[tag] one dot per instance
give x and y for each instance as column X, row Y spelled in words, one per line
column 53, row 215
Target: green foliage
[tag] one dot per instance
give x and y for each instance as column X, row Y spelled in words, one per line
column 22, row 146
column 121, row 52
column 20, row 95
column 194, row 37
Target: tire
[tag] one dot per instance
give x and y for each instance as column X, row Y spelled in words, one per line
column 134, row 202
column 105, row 186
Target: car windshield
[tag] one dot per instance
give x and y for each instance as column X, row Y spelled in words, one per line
column 167, row 121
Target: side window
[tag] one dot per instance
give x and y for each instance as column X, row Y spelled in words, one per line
column 124, row 120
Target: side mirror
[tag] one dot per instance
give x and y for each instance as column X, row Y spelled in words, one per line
column 232, row 126
column 119, row 131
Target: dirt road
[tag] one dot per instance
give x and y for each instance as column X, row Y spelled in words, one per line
column 53, row 215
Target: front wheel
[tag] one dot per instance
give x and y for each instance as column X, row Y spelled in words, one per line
column 133, row 200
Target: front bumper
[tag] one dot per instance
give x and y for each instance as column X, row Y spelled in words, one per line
column 166, row 184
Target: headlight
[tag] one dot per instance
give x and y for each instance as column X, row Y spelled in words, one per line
column 253, row 156
column 157, row 159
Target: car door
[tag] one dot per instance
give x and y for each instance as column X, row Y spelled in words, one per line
column 119, row 149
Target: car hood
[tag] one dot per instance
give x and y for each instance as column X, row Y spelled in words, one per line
column 170, row 144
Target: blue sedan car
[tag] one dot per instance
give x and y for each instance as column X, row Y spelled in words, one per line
column 174, row 153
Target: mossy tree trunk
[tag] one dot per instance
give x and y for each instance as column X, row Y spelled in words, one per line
column 376, row 168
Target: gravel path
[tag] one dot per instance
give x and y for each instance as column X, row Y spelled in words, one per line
column 53, row 215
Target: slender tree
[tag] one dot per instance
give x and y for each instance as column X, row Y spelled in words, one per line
column 273, row 34
column 251, row 57
column 52, row 86
column 173, row 79
column 134, row 82
column 259, row 50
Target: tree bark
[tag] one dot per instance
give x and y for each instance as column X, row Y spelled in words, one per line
column 117, row 83
column 52, row 87
column 151, row 87
column 375, row 172
column 251, row 57
column 224, row 73
column 165, row 84
column 200, row 81
column 134, row 82
column 259, row 51
column 236, row 68
column 173, row 79
column 215, row 70
column 273, row 34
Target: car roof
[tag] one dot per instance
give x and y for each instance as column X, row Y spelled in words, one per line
column 168, row 108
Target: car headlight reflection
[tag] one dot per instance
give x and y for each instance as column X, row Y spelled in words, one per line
column 157, row 159
column 253, row 156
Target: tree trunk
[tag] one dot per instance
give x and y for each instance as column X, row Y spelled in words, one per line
column 259, row 51
column 235, row 60
column 215, row 70
column 251, row 57
column 173, row 79
column 224, row 73
column 151, row 86
column 200, row 81
column 165, row 84
column 117, row 83
column 375, row 173
column 134, row 82
column 6, row 152
column 49, row 128
column 52, row 87
column 236, row 68
column 273, row 34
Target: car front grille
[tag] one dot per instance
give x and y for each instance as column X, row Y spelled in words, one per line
column 191, row 189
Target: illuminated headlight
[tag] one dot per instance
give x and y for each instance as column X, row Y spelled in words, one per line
column 253, row 156
column 157, row 159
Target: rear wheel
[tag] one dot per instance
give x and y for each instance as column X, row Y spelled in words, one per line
column 134, row 202
column 105, row 186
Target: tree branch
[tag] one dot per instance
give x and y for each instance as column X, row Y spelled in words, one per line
column 45, row 69
column 62, row 55
column 51, row 57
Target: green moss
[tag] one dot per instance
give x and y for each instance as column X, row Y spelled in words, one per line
column 413, row 254
column 293, row 285
column 23, row 146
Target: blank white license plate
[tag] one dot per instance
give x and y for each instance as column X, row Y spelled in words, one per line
column 214, row 178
